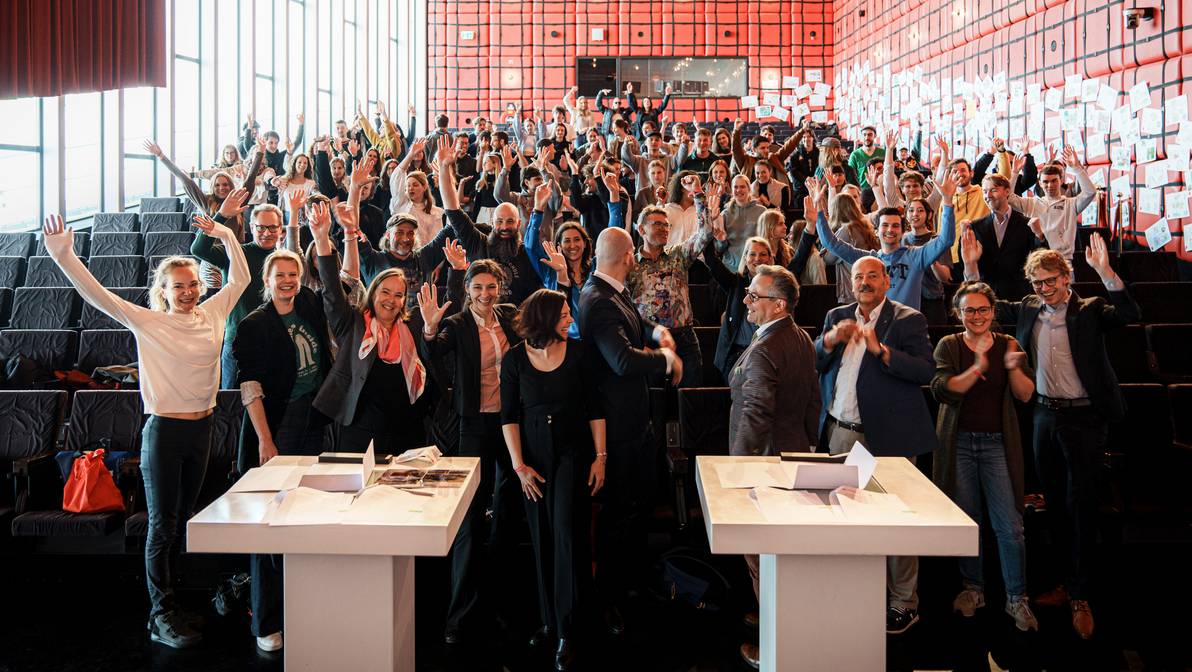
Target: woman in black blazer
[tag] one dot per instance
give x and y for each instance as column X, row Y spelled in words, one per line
column 376, row 387
column 477, row 337
column 284, row 354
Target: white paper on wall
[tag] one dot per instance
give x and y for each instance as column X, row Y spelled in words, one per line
column 1184, row 137
column 1089, row 89
column 821, row 89
column 820, row 117
column 1120, row 186
column 1120, row 157
column 1158, row 235
column 748, row 101
column 1107, row 97
column 1145, row 151
column 1151, row 121
column 763, row 111
column 1054, row 99
column 789, row 82
column 814, row 75
column 803, row 91
column 1034, row 93
column 1072, row 86
column 1177, row 204
column 1156, row 175
column 781, row 113
column 817, row 101
column 788, row 100
column 1176, row 110
column 1140, row 96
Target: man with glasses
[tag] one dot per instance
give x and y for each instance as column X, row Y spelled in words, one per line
column 776, row 405
column 1077, row 392
column 1009, row 236
column 267, row 233
column 872, row 357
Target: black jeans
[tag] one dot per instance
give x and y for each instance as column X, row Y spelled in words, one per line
column 1069, row 444
column 480, row 436
column 294, row 436
column 173, row 462
column 626, row 504
column 687, row 348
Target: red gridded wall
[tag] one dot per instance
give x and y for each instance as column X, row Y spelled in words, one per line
column 1033, row 41
column 465, row 76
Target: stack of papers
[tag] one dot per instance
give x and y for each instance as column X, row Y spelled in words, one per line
column 856, row 471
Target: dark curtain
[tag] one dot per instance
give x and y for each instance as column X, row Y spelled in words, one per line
column 54, row 47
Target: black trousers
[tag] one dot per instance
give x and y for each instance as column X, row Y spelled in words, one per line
column 687, row 348
column 480, row 436
column 1069, row 444
column 559, row 528
column 626, row 503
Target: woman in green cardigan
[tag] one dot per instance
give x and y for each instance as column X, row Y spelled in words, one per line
column 978, row 374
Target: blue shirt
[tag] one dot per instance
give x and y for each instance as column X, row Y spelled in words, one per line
column 906, row 266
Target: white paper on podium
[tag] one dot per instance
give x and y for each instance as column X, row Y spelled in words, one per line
column 337, row 477
column 864, row 461
column 857, row 505
column 268, row 479
column 756, row 474
column 781, row 506
column 383, row 505
column 307, row 506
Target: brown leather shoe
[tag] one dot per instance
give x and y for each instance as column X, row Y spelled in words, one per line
column 1082, row 618
column 751, row 654
column 1056, row 597
column 751, row 620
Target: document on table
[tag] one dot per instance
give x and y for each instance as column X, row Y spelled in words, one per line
column 385, row 505
column 780, row 506
column 307, row 506
column 269, row 479
column 863, row 506
column 857, row 469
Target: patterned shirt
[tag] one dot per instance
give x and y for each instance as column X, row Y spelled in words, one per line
column 659, row 286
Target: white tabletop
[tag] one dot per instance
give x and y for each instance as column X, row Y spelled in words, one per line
column 736, row 525
column 233, row 523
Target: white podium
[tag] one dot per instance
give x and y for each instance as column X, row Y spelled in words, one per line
column 823, row 578
column 349, row 589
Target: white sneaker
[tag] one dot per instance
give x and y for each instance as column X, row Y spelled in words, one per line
column 969, row 601
column 1020, row 611
column 270, row 643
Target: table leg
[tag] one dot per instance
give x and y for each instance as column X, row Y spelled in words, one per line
column 349, row 612
column 823, row 613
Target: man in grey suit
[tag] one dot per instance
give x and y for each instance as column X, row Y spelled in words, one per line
column 776, row 400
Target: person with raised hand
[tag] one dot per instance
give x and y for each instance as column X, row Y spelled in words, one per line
column 412, row 194
column 222, row 186
column 1057, row 213
column 178, row 349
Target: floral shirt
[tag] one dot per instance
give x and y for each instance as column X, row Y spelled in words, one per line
column 659, row 286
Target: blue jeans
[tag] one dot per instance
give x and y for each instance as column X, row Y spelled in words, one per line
column 229, row 368
column 981, row 470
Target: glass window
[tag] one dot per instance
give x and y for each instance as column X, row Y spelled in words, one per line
column 84, row 165
column 691, row 77
column 138, row 119
column 264, row 33
column 20, row 122
column 186, row 28
column 186, row 115
column 138, row 180
column 19, row 189
column 265, row 116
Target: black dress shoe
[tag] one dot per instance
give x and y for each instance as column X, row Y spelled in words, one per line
column 751, row 655
column 614, row 620
column 565, row 656
column 541, row 636
column 452, row 636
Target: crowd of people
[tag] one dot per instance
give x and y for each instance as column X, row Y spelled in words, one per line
column 565, row 247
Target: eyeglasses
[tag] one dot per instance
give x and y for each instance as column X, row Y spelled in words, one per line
column 982, row 311
column 268, row 229
column 754, row 296
column 1048, row 282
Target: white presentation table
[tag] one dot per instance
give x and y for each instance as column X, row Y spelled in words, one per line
column 823, row 579
column 349, row 589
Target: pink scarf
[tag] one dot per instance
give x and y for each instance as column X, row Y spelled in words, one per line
column 391, row 350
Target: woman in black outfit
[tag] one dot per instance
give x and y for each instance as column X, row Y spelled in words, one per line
column 554, row 427
column 375, row 388
column 477, row 337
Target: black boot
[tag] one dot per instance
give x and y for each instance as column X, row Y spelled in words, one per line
column 565, row 656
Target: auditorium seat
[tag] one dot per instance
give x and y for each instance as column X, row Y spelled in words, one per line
column 1171, row 351
column 157, row 222
column 1149, row 482
column 1147, row 266
column 105, row 347
column 699, row 274
column 114, row 222
column 1180, row 397
column 708, row 337
column 80, row 246
column 814, row 303
column 701, row 305
column 111, row 415
column 1087, row 290
column 168, row 204
column 29, row 422
column 12, row 272
column 16, row 244
column 937, row 332
column 45, row 308
column 115, row 243
column 1127, row 349
column 703, row 430
column 5, row 305
column 52, row 349
column 44, row 272
column 117, row 271
column 168, row 243
column 1164, row 302
column 94, row 318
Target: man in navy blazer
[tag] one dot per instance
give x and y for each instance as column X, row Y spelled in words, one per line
column 617, row 338
column 872, row 357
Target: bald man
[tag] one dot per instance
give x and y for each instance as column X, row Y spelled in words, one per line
column 503, row 244
column 872, row 357
column 617, row 338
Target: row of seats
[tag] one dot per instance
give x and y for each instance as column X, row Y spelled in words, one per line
column 59, row 308
column 64, row 349
column 156, row 244
column 111, row 271
column 29, row 427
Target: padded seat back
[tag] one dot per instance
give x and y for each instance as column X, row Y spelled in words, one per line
column 80, row 246
column 5, row 305
column 12, row 271
column 166, row 243
column 167, row 204
column 115, row 415
column 814, row 303
column 94, row 318
column 1127, row 351
column 45, row 308
column 118, row 271
column 53, row 349
column 116, row 243
column 1170, row 345
column 703, row 420
column 16, row 244
column 708, row 338
column 1164, row 302
column 106, row 347
column 112, row 222
column 1180, row 397
column 44, row 272
column 153, row 222
column 29, row 421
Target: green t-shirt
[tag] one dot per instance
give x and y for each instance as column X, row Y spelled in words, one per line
column 306, row 353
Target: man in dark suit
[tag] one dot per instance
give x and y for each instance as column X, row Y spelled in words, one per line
column 776, row 405
column 872, row 357
column 618, row 336
column 1078, row 396
column 1008, row 236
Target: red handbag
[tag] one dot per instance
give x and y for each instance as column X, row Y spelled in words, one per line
column 91, row 488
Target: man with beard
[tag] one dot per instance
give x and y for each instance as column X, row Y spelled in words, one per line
column 861, row 156
column 702, row 158
column 872, row 357
column 397, row 251
column 503, row 245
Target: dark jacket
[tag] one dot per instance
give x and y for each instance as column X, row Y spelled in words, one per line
column 1087, row 320
column 618, row 336
column 1001, row 266
column 641, row 116
column 265, row 354
column 340, row 393
column 1026, row 179
column 521, row 280
column 776, row 405
column 606, row 123
column 893, row 411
